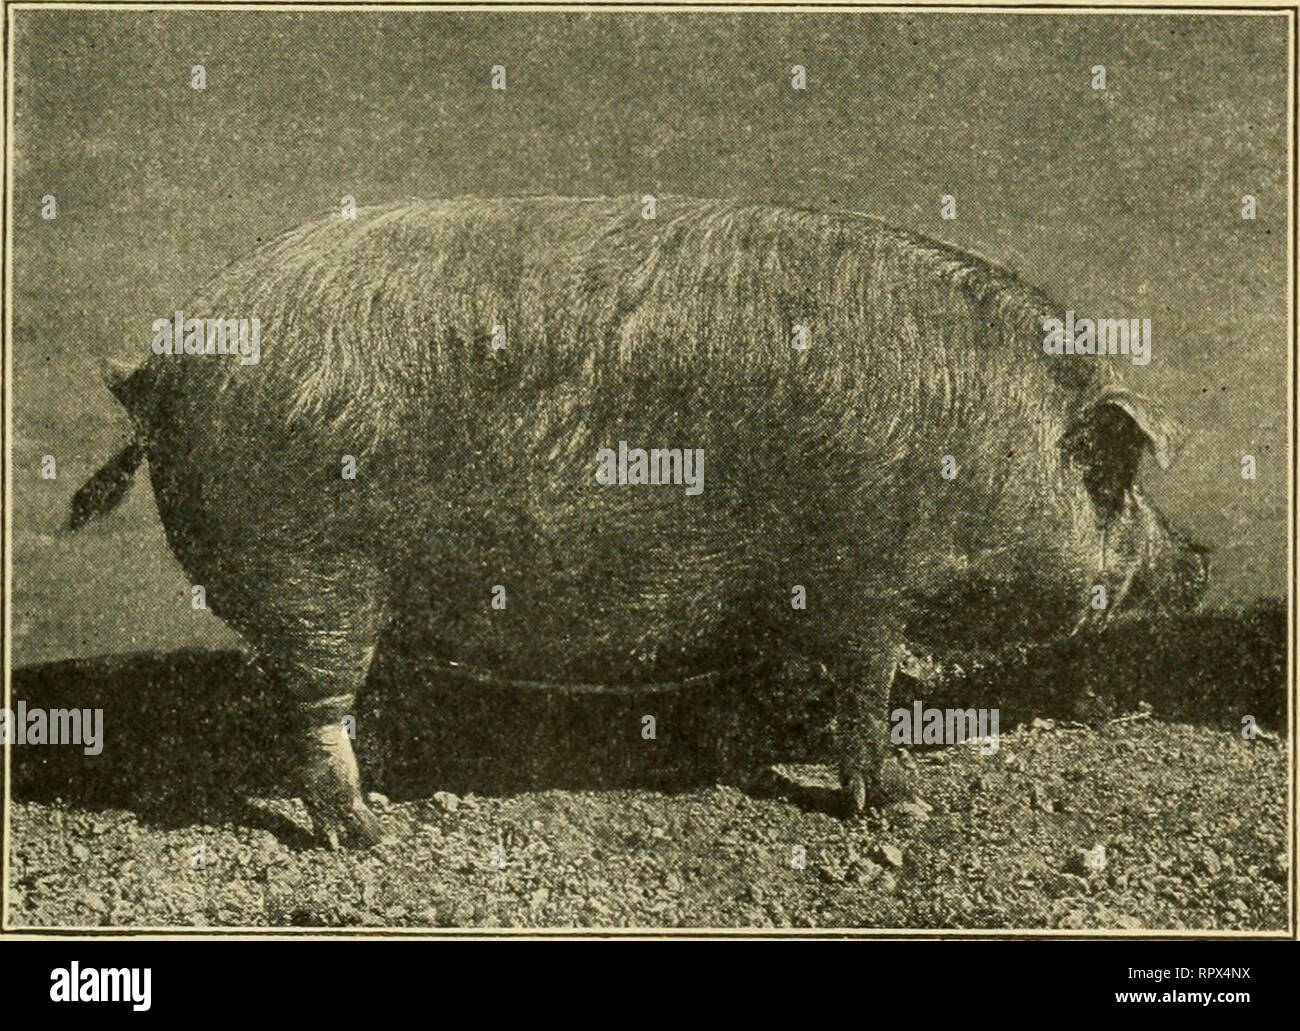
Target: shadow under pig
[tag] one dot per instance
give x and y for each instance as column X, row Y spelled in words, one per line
column 189, row 735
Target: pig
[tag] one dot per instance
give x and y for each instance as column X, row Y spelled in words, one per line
column 886, row 456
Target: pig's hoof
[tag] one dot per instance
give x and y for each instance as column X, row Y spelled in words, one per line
column 887, row 784
column 853, row 795
column 352, row 827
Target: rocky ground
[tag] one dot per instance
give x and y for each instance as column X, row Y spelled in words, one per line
column 1107, row 812
column 1191, row 821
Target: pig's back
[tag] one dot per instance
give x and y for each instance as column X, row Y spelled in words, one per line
column 367, row 321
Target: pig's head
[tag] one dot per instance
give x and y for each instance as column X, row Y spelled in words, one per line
column 1146, row 565
column 1026, row 563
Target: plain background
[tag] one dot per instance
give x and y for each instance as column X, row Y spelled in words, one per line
column 1120, row 203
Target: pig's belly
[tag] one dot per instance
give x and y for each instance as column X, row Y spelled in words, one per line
column 617, row 589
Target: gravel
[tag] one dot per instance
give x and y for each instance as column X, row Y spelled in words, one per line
column 1191, row 819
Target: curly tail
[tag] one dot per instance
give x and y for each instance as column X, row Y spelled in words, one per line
column 101, row 493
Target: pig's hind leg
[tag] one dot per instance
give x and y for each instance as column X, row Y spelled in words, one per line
column 318, row 622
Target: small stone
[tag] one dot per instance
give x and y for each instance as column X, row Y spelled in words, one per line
column 446, row 801
column 93, row 901
column 377, row 800
column 79, row 851
column 1210, row 861
column 917, row 812
column 892, row 855
column 1074, row 919
column 888, row 883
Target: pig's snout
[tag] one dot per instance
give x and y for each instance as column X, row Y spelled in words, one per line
column 1192, row 572
column 1176, row 571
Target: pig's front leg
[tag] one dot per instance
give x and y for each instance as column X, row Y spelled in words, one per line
column 869, row 773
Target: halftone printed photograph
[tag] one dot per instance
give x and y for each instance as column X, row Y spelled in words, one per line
column 656, row 471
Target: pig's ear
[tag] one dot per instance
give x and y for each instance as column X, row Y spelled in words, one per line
column 1107, row 436
column 1163, row 435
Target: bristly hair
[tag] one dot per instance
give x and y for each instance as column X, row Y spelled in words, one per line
column 366, row 321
